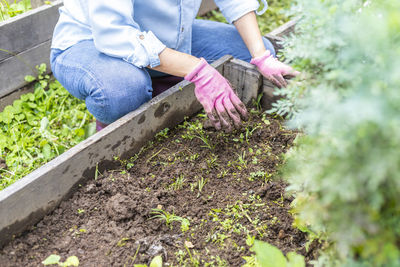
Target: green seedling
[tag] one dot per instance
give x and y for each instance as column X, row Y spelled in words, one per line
column 242, row 160
column 201, row 183
column 207, row 143
column 55, row 259
column 265, row 120
column 194, row 261
column 222, row 174
column 249, row 132
column 96, row 173
column 169, row 218
column 257, row 102
column 163, row 134
column 212, row 161
column 256, row 175
column 178, row 183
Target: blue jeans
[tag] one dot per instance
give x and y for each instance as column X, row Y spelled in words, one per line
column 112, row 87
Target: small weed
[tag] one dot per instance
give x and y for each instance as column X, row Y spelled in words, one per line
column 194, row 261
column 169, row 218
column 222, row 174
column 96, row 172
column 265, row 120
column 178, row 183
column 257, row 102
column 81, row 211
column 249, row 132
column 163, row 134
column 122, row 242
column 242, row 160
column 257, row 174
column 201, row 183
column 212, row 161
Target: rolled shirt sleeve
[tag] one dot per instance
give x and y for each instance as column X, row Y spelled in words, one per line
column 235, row 9
column 115, row 33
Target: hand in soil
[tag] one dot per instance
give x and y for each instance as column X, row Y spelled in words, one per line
column 274, row 70
column 220, row 102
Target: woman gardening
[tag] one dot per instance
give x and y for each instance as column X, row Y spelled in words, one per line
column 108, row 52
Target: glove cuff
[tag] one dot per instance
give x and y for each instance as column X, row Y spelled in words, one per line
column 199, row 67
column 257, row 60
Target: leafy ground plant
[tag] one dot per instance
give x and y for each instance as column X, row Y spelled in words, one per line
column 40, row 126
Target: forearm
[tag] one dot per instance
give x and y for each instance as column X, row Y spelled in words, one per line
column 176, row 63
column 248, row 29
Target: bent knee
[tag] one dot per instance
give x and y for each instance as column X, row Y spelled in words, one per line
column 114, row 99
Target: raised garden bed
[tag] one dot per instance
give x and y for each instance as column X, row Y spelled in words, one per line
column 27, row 201
column 192, row 195
column 30, row 199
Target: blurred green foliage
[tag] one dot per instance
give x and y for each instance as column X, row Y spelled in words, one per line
column 345, row 170
column 11, row 10
column 275, row 16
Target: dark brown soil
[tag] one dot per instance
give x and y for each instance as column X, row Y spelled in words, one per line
column 109, row 221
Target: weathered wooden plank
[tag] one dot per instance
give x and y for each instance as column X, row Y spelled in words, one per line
column 276, row 41
column 206, row 6
column 268, row 97
column 245, row 79
column 28, row 30
column 9, row 99
column 28, row 200
column 13, row 70
column 285, row 29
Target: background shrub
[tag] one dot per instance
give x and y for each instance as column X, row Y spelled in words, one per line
column 345, row 170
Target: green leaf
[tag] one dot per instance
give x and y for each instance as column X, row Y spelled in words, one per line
column 30, row 96
column 295, row 260
column 268, row 255
column 17, row 104
column 156, row 262
column 44, row 123
column 90, row 129
column 41, row 68
column 3, row 141
column 52, row 259
column 32, row 105
column 29, row 78
column 46, row 151
column 80, row 132
column 71, row 261
column 32, row 120
column 185, row 223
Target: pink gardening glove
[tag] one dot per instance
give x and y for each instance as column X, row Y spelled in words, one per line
column 217, row 97
column 274, row 70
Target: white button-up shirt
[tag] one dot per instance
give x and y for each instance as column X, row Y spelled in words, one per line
column 137, row 30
